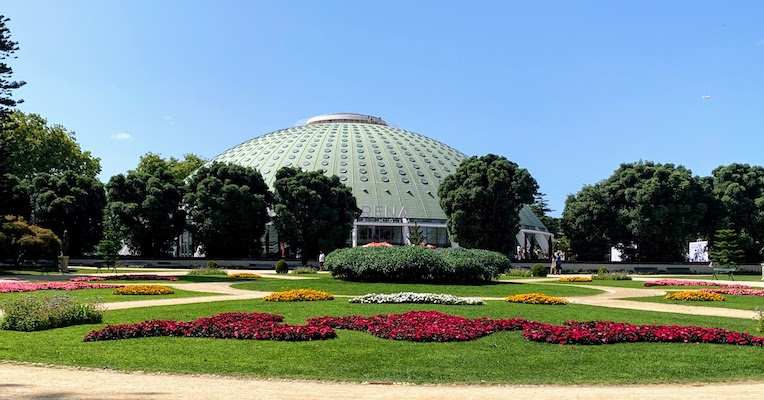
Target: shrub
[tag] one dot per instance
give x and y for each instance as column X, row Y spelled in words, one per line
column 611, row 276
column 282, row 267
column 245, row 275
column 536, row 298
column 519, row 272
column 304, row 270
column 539, row 270
column 200, row 271
column 417, row 298
column 32, row 313
column 576, row 279
column 299, row 295
column 416, row 264
column 695, row 295
column 212, row 264
column 149, row 290
column 602, row 271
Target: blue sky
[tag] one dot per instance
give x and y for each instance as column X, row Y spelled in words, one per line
column 566, row 89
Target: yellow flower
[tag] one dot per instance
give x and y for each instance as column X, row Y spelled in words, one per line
column 143, row 290
column 245, row 275
column 299, row 295
column 536, row 298
column 576, row 279
column 695, row 295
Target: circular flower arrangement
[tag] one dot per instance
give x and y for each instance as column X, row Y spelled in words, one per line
column 299, row 295
column 695, row 295
column 149, row 290
column 245, row 275
column 418, row 298
column 536, row 298
column 576, row 279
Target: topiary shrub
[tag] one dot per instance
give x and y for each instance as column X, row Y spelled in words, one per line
column 539, row 270
column 282, row 267
column 32, row 313
column 212, row 264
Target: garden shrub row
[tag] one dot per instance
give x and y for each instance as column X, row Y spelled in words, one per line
column 416, row 264
column 33, row 313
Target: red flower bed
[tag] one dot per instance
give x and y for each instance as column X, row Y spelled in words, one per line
column 16, row 287
column 677, row 282
column 151, row 277
column 254, row 326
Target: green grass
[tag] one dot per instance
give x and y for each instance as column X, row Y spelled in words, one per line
column 105, row 295
column 335, row 286
column 354, row 356
column 738, row 302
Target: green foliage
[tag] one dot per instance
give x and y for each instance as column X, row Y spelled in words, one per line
column 739, row 190
column 540, row 208
column 282, row 267
column 482, row 201
column 69, row 202
column 33, row 313
column 416, row 264
column 20, row 240
column 313, row 211
column 759, row 319
column 151, row 163
column 604, row 275
column 538, row 270
column 603, row 270
column 228, row 206
column 304, row 271
column 726, row 252
column 520, row 272
column 416, row 236
column 7, row 48
column 144, row 208
column 655, row 206
column 108, row 252
column 212, row 264
column 208, row 270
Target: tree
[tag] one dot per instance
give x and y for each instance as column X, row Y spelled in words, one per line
column 653, row 208
column 69, row 202
column 416, row 236
column 228, row 206
column 20, row 240
column 7, row 48
column 181, row 169
column 482, row 201
column 726, row 251
column 14, row 196
column 145, row 209
column 30, row 146
column 740, row 190
column 313, row 211
column 540, row 207
column 583, row 222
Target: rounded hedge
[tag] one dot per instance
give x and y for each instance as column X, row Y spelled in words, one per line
column 416, row 264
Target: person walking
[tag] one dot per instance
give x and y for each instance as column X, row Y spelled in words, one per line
column 558, row 262
column 321, row 260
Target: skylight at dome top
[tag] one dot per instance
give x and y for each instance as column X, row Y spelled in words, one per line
column 393, row 173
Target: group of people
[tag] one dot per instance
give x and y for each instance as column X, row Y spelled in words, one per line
column 556, row 267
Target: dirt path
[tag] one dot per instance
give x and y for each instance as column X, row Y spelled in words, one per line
column 30, row 381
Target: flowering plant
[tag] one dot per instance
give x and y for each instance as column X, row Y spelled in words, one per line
column 246, row 275
column 411, row 297
column 536, row 298
column 299, row 295
column 151, row 277
column 576, row 279
column 695, row 295
column 676, row 282
column 16, row 287
column 233, row 325
column 143, row 290
column 737, row 292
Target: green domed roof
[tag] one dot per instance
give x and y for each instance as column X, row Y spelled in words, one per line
column 393, row 173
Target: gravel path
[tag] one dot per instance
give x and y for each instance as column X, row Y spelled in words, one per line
column 33, row 381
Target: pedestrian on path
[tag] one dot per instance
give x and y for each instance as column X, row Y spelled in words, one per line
column 321, row 260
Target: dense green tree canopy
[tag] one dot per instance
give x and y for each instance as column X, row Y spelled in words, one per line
column 739, row 189
column 144, row 209
column 228, row 206
column 69, row 202
column 541, row 208
column 7, row 49
column 482, row 201
column 181, row 169
column 657, row 207
column 21, row 241
column 313, row 212
column 30, row 146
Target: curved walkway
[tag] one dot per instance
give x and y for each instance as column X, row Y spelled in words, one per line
column 32, row 381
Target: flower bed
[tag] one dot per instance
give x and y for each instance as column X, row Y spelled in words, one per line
column 148, row 290
column 299, row 295
column 576, row 279
column 16, row 287
column 252, row 326
column 676, row 282
column 147, row 277
column 695, row 295
column 245, row 275
column 536, row 298
column 737, row 292
column 418, row 298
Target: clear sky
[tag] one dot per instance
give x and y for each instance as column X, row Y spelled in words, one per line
column 566, row 89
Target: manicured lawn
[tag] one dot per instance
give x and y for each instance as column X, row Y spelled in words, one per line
column 336, row 286
column 738, row 302
column 105, row 295
column 355, row 356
